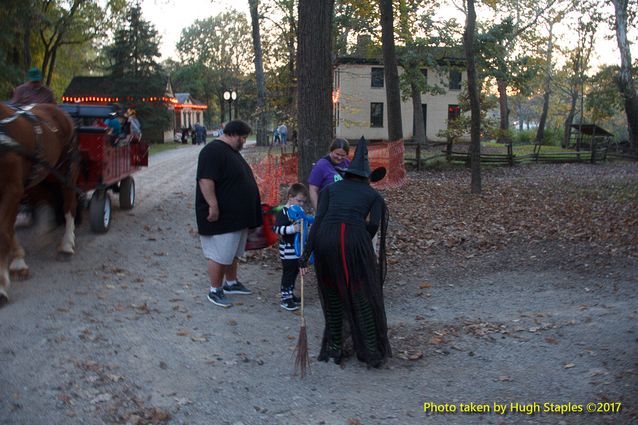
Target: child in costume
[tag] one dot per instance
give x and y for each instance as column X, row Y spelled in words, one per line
column 287, row 230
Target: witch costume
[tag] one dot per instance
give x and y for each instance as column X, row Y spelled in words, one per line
column 350, row 277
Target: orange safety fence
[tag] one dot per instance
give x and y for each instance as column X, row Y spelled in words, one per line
column 273, row 171
column 280, row 169
column 390, row 156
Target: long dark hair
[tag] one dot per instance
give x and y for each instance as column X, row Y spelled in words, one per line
column 340, row 144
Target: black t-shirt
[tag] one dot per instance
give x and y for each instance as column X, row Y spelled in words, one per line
column 235, row 187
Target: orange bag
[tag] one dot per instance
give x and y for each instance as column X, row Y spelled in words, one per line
column 262, row 236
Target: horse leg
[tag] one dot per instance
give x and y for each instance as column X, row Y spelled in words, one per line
column 4, row 268
column 67, row 245
column 18, row 268
column 9, row 204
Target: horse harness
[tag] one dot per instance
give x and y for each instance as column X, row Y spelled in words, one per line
column 7, row 143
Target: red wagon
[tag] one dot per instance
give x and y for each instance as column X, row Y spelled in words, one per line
column 105, row 163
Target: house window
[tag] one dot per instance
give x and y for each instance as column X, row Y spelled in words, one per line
column 424, row 72
column 455, row 80
column 453, row 112
column 377, row 77
column 376, row 114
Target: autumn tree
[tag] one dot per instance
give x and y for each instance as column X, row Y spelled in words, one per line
column 393, row 92
column 469, row 42
column 500, row 50
column 44, row 32
column 221, row 43
column 625, row 80
column 315, row 81
column 259, row 74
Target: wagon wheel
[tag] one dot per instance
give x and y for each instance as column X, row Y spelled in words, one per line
column 100, row 211
column 127, row 193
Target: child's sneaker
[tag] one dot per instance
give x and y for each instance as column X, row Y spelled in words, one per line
column 296, row 299
column 289, row 304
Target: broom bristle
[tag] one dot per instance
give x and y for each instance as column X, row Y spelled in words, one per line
column 302, row 359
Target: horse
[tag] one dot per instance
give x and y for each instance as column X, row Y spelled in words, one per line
column 36, row 143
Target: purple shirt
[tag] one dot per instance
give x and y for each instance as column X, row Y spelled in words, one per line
column 324, row 172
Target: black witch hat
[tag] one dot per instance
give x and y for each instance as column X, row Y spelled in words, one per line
column 360, row 166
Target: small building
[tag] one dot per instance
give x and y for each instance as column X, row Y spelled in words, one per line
column 188, row 111
column 360, row 103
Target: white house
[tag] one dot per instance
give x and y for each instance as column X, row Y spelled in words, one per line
column 360, row 104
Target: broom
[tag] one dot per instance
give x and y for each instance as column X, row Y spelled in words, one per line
column 302, row 359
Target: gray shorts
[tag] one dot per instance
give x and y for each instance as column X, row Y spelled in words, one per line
column 223, row 248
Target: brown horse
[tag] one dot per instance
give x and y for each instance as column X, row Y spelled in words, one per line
column 34, row 146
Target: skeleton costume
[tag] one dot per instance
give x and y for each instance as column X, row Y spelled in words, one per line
column 349, row 275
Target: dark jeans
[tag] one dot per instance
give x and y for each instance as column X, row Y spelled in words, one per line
column 288, row 278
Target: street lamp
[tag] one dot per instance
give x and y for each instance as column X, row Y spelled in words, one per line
column 230, row 96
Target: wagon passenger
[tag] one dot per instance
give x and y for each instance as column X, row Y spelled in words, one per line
column 227, row 204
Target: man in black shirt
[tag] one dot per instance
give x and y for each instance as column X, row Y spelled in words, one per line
column 227, row 204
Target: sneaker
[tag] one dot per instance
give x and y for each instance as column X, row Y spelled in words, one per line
column 236, row 288
column 219, row 299
column 289, row 304
column 296, row 299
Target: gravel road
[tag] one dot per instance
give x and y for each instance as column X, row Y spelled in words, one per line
column 123, row 333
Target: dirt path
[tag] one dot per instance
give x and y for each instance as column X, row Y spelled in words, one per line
column 123, row 334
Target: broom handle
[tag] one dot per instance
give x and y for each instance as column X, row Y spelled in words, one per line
column 302, row 252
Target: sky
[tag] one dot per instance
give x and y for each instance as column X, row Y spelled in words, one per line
column 171, row 16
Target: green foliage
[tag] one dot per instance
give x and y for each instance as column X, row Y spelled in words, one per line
column 215, row 55
column 603, row 100
column 135, row 48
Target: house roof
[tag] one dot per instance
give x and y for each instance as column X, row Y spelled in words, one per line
column 442, row 55
column 183, row 98
column 107, row 86
column 591, row 130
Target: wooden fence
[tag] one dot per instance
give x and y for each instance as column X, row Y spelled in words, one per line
column 598, row 153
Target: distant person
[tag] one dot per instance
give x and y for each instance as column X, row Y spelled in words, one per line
column 287, row 230
column 276, row 138
column 328, row 169
column 114, row 127
column 184, row 135
column 202, row 135
column 135, row 129
column 33, row 91
column 227, row 204
column 283, row 133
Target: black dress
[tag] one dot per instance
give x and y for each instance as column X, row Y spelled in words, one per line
column 349, row 276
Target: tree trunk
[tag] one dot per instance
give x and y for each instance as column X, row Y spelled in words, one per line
column 262, row 137
column 419, row 123
column 314, row 114
column 504, row 112
column 292, row 61
column 547, row 89
column 473, row 92
column 625, row 77
column 392, row 90
column 567, row 128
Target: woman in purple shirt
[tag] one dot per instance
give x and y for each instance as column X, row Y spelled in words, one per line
column 326, row 170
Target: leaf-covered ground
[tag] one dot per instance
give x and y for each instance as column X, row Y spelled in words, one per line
column 594, row 207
